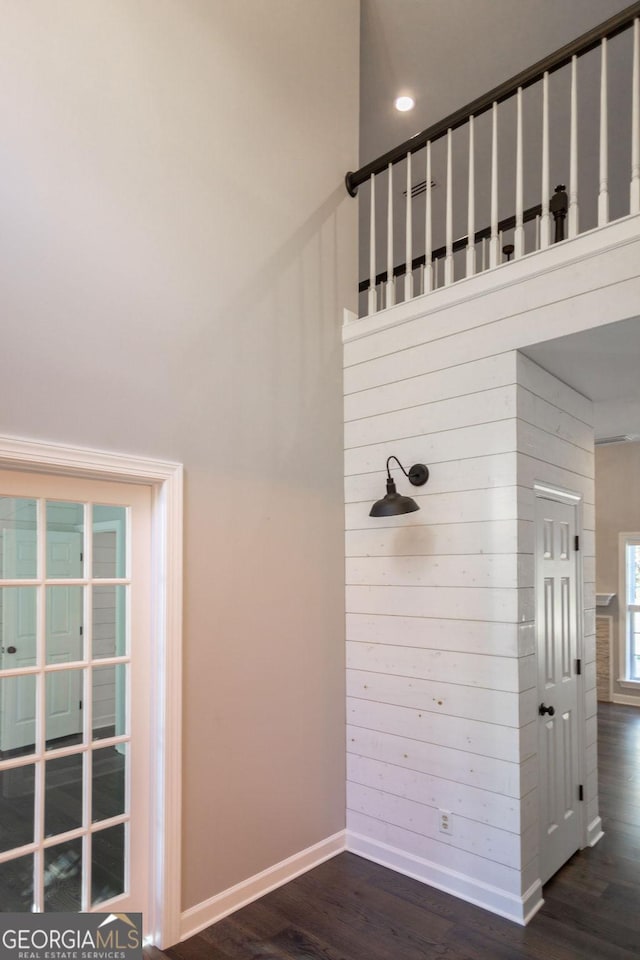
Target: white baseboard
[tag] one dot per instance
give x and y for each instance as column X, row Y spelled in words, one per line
column 594, row 832
column 210, row 911
column 518, row 909
column 626, row 700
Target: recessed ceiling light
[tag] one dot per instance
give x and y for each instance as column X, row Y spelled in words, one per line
column 404, row 103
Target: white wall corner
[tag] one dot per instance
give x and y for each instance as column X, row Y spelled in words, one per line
column 228, row 901
column 519, row 909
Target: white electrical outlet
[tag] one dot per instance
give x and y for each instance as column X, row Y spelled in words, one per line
column 446, row 821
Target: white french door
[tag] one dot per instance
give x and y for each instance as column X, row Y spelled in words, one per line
column 75, row 649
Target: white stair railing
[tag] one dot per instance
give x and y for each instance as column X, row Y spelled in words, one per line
column 433, row 234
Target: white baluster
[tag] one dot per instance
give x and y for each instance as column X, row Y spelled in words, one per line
column 518, row 233
column 545, row 220
column 573, row 153
column 494, row 242
column 635, row 122
column 603, row 191
column 372, row 298
column 471, row 205
column 428, row 232
column 538, row 233
column 484, row 253
column 390, row 298
column 448, row 262
column 408, row 249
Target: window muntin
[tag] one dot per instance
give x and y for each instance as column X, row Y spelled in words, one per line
column 631, row 610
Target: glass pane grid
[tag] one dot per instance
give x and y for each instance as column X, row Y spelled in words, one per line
column 68, row 574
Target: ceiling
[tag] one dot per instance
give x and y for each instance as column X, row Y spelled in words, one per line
column 602, row 364
column 445, row 53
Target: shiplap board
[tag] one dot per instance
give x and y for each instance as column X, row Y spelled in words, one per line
column 494, row 843
column 529, row 309
column 486, row 406
column 426, row 726
column 540, row 382
column 554, row 450
column 441, row 539
column 589, row 568
column 552, row 419
column 441, row 851
column 591, row 759
column 476, row 441
column 591, row 731
column 467, row 378
column 463, row 603
column 470, row 473
column 466, row 669
column 589, row 622
column 484, row 806
column 476, row 570
column 468, row 506
column 517, row 332
column 532, row 470
column 460, row 766
column 492, row 639
column 491, row 706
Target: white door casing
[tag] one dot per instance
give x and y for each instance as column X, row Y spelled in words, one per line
column 558, row 636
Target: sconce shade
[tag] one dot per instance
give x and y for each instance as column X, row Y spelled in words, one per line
column 394, row 504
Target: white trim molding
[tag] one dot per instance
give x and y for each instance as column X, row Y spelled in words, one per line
column 518, row 909
column 216, row 908
column 595, row 832
column 166, row 480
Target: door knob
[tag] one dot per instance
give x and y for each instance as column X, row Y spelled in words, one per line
column 542, row 710
column 11, row 650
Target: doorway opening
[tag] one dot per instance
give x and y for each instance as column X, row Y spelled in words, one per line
column 601, row 365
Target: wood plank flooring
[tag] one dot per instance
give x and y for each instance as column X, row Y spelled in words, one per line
column 350, row 909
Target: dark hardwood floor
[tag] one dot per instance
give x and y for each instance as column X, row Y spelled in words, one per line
column 350, row 909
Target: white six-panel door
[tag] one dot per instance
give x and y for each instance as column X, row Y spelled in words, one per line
column 557, row 628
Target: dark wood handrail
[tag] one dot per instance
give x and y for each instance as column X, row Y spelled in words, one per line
column 588, row 41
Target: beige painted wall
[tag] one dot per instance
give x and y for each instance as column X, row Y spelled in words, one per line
column 617, row 510
column 176, row 251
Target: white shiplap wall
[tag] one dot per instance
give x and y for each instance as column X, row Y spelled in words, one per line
column 440, row 647
column 440, row 604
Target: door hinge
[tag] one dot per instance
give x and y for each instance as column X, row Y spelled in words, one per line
column 580, row 792
column 82, row 631
column 576, row 542
column 80, row 705
column 81, row 557
column 579, row 667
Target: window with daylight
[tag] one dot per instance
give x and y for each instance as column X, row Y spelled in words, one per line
column 630, row 607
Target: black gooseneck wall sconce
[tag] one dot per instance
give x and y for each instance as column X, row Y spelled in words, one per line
column 393, row 504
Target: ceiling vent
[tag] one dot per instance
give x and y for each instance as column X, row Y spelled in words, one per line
column 418, row 188
column 623, row 438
